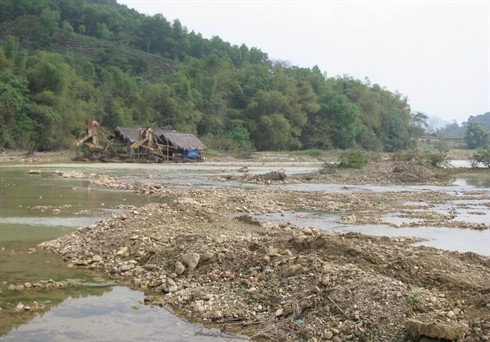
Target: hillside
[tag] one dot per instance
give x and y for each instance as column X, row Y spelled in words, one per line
column 107, row 53
column 62, row 62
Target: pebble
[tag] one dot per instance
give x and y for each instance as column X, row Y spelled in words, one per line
column 179, row 268
column 122, row 251
column 125, row 268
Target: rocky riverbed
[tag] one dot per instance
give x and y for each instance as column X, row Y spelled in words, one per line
column 205, row 255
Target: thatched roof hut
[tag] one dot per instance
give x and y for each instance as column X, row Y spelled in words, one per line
column 126, row 134
column 183, row 141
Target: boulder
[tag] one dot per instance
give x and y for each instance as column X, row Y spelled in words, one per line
column 435, row 329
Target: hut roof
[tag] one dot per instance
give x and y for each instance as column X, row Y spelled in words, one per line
column 130, row 133
column 184, row 141
column 160, row 131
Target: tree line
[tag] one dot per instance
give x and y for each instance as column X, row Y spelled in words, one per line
column 231, row 96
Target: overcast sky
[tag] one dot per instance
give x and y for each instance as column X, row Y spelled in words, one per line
column 437, row 53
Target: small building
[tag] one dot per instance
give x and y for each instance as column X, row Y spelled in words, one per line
column 181, row 146
column 141, row 145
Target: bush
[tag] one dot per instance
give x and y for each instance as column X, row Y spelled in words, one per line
column 353, row 159
column 442, row 146
column 411, row 155
column 314, row 153
column 435, row 159
column 482, row 156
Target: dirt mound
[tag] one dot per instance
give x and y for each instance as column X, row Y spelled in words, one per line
column 411, row 172
column 280, row 281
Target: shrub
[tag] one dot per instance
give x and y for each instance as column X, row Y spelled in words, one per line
column 482, row 156
column 409, row 155
column 353, row 159
column 435, row 159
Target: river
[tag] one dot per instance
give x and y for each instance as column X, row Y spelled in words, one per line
column 85, row 306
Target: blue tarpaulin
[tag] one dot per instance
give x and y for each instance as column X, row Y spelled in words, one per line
column 189, row 154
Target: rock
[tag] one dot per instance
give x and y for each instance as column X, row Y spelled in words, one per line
column 191, row 260
column 307, row 231
column 440, row 330
column 34, row 306
column 248, row 219
column 169, row 285
column 325, row 280
column 96, row 258
column 18, row 287
column 207, row 297
column 227, row 274
column 295, row 270
column 328, row 334
column 125, row 268
column 179, row 268
column 27, row 285
column 34, row 172
column 207, row 256
column 122, row 251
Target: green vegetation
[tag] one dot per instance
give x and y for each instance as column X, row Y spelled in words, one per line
column 482, row 156
column 476, row 136
column 423, row 157
column 353, row 159
column 62, row 62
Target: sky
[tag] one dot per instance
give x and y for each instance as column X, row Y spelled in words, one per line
column 436, row 53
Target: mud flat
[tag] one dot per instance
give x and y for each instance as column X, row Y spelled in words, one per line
column 205, row 255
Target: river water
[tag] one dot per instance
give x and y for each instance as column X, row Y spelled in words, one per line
column 85, row 308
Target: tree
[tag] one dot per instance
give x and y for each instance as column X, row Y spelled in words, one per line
column 68, row 32
column 476, row 136
column 273, row 132
column 342, row 118
column 50, row 20
column 13, row 91
column 418, row 124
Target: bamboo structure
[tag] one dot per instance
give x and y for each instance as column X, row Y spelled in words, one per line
column 139, row 145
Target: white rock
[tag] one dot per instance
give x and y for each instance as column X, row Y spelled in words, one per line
column 191, row 260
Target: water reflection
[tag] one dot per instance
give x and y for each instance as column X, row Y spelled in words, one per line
column 476, row 182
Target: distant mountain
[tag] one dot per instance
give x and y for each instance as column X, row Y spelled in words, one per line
column 434, row 123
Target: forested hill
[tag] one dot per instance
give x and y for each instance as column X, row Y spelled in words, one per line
column 63, row 61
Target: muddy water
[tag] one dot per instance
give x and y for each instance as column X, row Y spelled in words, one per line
column 84, row 308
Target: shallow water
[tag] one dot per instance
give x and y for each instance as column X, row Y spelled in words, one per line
column 116, row 314
column 73, row 313
column 453, row 239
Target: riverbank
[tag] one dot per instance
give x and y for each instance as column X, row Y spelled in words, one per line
column 205, row 255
